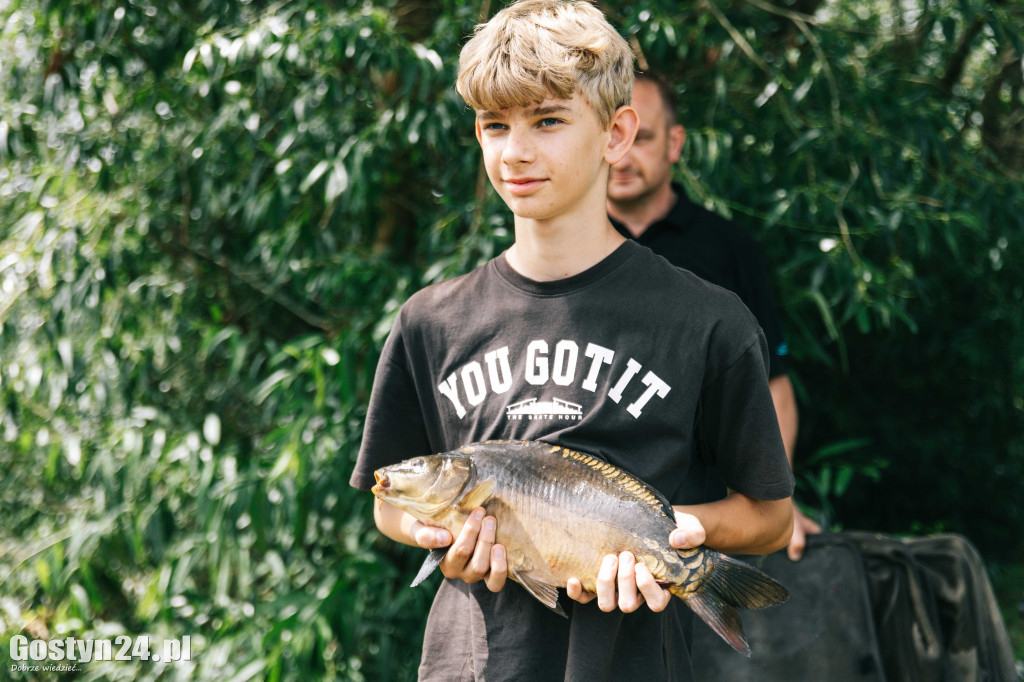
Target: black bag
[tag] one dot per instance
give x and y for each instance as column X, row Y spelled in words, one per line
column 905, row 612
column 823, row 633
column 957, row 632
column 865, row 606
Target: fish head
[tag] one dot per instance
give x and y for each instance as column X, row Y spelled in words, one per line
column 424, row 486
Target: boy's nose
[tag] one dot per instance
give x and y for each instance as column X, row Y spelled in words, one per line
column 518, row 149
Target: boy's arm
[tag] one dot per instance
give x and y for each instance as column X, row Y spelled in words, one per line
column 473, row 555
column 736, row 524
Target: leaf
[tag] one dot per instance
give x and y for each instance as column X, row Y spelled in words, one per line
column 804, row 139
column 318, row 170
column 337, row 182
column 270, row 384
column 843, row 477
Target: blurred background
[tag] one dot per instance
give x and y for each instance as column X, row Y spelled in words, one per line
column 210, row 212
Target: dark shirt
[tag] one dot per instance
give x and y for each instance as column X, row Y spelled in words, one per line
column 723, row 253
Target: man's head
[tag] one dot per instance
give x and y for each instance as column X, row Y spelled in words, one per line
column 534, row 50
column 646, row 170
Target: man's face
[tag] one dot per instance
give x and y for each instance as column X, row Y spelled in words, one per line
column 648, row 164
column 544, row 159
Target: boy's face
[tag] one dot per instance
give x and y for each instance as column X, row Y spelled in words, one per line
column 648, row 164
column 545, row 159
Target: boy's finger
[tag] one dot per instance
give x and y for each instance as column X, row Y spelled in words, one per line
column 480, row 564
column 495, row 579
column 655, row 595
column 429, row 537
column 606, row 583
column 574, row 590
column 689, row 532
column 629, row 599
column 680, row 539
column 462, row 549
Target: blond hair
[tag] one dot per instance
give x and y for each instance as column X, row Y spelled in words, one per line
column 539, row 49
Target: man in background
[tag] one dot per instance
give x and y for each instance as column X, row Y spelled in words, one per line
column 645, row 205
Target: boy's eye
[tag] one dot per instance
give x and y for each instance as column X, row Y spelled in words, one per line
column 495, row 126
column 548, row 122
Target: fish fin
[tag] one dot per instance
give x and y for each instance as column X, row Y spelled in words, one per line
column 544, row 593
column 721, row 617
column 431, row 562
column 742, row 585
column 730, row 583
column 429, row 511
column 480, row 493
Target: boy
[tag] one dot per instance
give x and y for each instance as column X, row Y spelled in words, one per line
column 556, row 323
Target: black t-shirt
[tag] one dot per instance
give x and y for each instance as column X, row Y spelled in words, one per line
column 720, row 251
column 598, row 362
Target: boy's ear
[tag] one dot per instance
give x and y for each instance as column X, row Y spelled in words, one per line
column 476, row 128
column 622, row 127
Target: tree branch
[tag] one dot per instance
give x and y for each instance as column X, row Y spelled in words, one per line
column 955, row 67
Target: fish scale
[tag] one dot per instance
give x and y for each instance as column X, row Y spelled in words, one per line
column 560, row 512
column 490, row 460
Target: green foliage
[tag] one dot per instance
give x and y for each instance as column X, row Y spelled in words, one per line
column 212, row 211
column 877, row 152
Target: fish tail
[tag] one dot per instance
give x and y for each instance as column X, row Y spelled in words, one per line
column 728, row 584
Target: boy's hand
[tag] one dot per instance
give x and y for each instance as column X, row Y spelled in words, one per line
column 624, row 583
column 473, row 556
column 689, row 532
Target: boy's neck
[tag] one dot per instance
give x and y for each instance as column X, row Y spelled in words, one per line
column 545, row 251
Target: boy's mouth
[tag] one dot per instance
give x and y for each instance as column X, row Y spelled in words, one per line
column 523, row 185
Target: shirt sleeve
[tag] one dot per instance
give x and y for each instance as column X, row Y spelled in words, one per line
column 738, row 430
column 394, row 427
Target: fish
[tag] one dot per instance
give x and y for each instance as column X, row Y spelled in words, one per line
column 559, row 512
